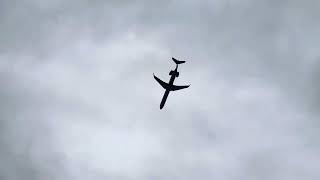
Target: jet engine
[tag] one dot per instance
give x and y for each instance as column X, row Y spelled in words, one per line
column 176, row 73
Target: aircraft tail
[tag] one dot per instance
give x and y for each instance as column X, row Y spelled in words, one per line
column 177, row 61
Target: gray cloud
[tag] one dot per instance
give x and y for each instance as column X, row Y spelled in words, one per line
column 79, row 101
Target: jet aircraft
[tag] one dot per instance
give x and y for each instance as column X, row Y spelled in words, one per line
column 169, row 86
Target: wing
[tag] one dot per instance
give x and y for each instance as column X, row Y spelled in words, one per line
column 175, row 88
column 163, row 84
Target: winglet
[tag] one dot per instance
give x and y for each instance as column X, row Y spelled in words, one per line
column 177, row 61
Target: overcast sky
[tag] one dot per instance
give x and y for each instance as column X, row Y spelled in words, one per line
column 78, row 99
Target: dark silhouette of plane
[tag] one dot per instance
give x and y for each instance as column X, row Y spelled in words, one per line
column 169, row 86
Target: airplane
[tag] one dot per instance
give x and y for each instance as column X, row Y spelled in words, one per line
column 169, row 86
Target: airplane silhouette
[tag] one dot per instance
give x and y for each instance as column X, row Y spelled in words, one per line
column 169, row 86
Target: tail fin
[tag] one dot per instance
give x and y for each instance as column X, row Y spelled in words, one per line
column 177, row 61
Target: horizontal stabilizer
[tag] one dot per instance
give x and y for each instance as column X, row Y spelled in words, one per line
column 177, row 61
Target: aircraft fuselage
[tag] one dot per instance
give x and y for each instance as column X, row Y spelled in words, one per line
column 166, row 93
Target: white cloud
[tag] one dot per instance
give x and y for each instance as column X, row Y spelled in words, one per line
column 79, row 100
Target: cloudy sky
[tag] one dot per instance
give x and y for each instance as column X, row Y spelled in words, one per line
column 78, row 99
